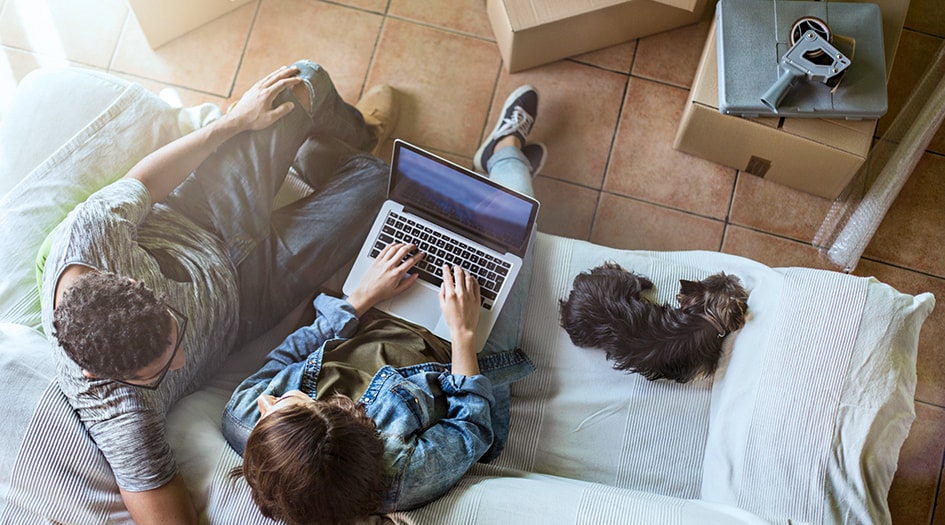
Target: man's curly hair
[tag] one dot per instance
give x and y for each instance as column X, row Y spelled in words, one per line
column 316, row 465
column 112, row 326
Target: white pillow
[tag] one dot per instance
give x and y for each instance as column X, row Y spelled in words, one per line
column 136, row 123
column 578, row 417
column 809, row 414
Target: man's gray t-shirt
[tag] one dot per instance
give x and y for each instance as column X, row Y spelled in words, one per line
column 118, row 230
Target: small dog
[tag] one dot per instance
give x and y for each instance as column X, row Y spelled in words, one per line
column 605, row 310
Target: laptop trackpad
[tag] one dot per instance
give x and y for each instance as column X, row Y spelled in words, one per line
column 419, row 304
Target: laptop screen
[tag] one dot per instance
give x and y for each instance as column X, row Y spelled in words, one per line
column 455, row 197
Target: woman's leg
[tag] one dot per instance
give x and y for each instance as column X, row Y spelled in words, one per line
column 509, row 167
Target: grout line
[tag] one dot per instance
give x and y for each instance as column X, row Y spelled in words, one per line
column 239, row 63
column 613, row 141
column 574, row 60
column 938, row 484
column 935, row 498
column 930, row 404
column 728, row 212
column 919, row 31
column 449, row 30
column 121, row 36
column 356, row 8
column 590, row 228
column 377, row 42
column 901, row 267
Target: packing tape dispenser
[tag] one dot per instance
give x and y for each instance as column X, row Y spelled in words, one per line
column 812, row 56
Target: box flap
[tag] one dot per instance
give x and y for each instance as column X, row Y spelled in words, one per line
column 531, row 13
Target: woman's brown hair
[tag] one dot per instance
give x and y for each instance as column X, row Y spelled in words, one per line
column 318, row 463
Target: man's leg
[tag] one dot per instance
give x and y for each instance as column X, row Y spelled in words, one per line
column 232, row 192
column 313, row 238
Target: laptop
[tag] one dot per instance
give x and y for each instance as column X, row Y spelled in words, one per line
column 454, row 216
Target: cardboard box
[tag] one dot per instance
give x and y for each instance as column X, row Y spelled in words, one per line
column 534, row 32
column 818, row 156
column 164, row 20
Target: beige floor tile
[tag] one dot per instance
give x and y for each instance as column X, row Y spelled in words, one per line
column 444, row 100
column 465, row 16
column 912, row 494
column 644, row 164
column 617, row 58
column 631, row 224
column 204, row 59
column 671, row 56
column 911, row 233
column 777, row 209
column 931, row 360
column 82, row 31
column 566, row 209
column 576, row 128
column 339, row 38
column 771, row 250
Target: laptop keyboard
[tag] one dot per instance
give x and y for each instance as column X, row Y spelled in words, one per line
column 442, row 249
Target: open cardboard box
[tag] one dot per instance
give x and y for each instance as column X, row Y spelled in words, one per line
column 817, row 156
column 530, row 33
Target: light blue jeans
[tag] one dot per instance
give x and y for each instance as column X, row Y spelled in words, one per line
column 509, row 167
column 283, row 255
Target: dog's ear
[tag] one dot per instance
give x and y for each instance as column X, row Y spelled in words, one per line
column 690, row 288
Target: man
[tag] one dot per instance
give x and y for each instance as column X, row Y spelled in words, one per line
column 154, row 279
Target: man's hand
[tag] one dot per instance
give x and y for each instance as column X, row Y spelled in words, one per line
column 164, row 169
column 386, row 277
column 459, row 300
column 254, row 109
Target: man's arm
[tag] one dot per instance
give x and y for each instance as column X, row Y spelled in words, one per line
column 164, row 169
column 161, row 506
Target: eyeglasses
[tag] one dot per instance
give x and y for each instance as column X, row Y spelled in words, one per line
column 153, row 382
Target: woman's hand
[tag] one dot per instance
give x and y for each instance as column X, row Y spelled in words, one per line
column 386, row 277
column 459, row 300
column 254, row 109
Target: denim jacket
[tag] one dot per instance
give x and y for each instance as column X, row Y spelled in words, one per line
column 434, row 424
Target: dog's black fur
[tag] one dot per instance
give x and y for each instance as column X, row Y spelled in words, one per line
column 605, row 310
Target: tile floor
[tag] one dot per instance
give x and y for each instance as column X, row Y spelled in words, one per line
column 608, row 118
